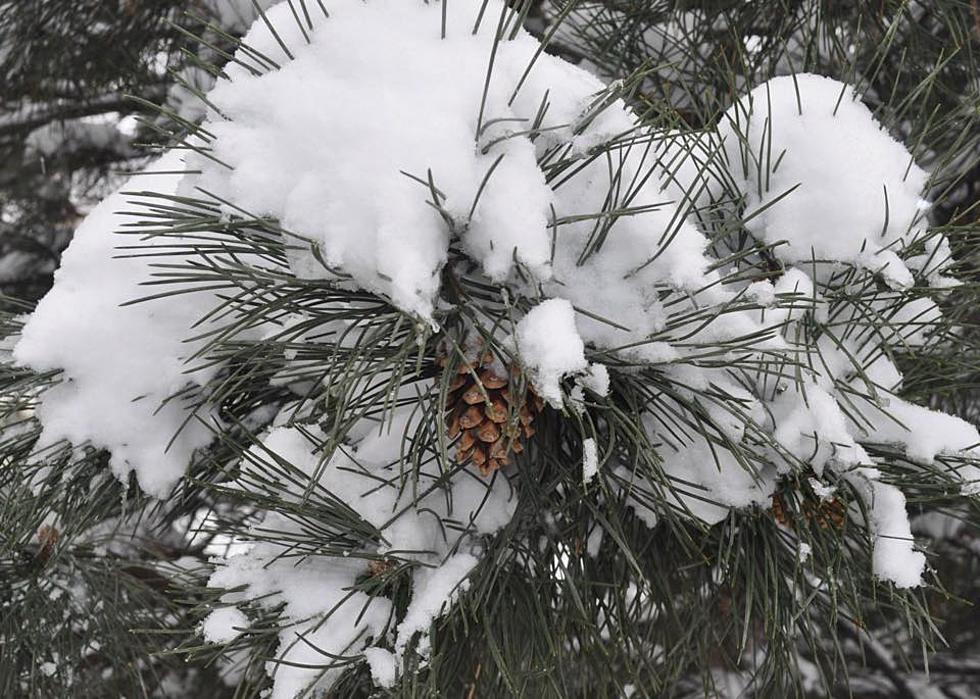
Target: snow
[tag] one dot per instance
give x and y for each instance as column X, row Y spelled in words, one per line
column 460, row 178
column 418, row 140
column 433, row 590
column 762, row 292
column 925, row 433
column 383, row 664
column 595, row 379
column 590, row 460
column 224, row 625
column 858, row 194
column 364, row 475
column 550, row 347
column 709, row 480
column 894, row 556
column 805, row 551
column 319, row 588
column 119, row 363
column 48, row 669
column 822, row 490
column 183, row 97
column 616, row 285
column 797, row 421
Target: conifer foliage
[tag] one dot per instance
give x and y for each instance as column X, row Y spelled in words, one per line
column 480, row 348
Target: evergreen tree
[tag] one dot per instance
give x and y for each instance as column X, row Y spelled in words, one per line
column 485, row 349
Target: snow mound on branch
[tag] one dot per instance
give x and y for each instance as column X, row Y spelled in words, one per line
column 382, row 664
column 308, row 590
column 894, row 556
column 224, row 625
column 434, row 590
column 119, row 364
column 550, row 347
column 622, row 236
column 380, row 173
column 365, row 478
column 858, row 192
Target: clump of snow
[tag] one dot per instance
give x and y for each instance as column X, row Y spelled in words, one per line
column 762, row 292
column 383, row 665
column 230, row 17
column 224, row 625
column 926, row 435
column 710, row 480
column 183, row 98
column 852, row 193
column 398, row 171
column 798, row 420
column 48, row 669
column 119, row 363
column 595, row 379
column 316, row 590
column 432, row 591
column 613, row 266
column 805, row 551
column 822, row 490
column 590, row 459
column 550, row 347
column 894, row 557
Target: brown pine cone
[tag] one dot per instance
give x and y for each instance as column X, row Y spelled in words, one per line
column 489, row 422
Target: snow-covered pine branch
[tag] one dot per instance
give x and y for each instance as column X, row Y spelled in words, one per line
column 398, row 197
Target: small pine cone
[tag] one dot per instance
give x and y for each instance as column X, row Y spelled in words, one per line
column 826, row 513
column 779, row 511
column 378, row 568
column 47, row 537
column 484, row 417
